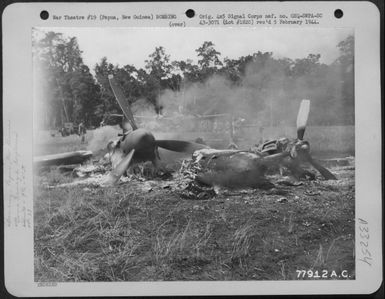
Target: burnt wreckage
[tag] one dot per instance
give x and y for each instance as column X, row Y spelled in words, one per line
column 230, row 168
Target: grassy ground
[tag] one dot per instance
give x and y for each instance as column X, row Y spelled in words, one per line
column 129, row 233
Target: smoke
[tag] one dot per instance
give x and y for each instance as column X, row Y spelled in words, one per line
column 248, row 99
column 267, row 94
column 142, row 107
column 101, row 136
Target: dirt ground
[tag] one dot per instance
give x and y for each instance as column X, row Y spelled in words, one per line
column 145, row 230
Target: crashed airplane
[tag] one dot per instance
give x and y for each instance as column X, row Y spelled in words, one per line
column 230, row 168
column 138, row 145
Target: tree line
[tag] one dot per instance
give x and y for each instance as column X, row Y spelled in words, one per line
column 251, row 84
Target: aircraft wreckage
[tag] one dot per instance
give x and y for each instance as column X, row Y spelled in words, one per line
column 211, row 167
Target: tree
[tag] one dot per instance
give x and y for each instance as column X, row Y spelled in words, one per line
column 67, row 89
column 209, row 61
column 108, row 103
column 50, row 102
column 209, row 57
column 86, row 95
column 346, row 48
column 158, row 78
column 159, row 65
column 306, row 65
column 258, row 85
column 188, row 71
column 345, row 65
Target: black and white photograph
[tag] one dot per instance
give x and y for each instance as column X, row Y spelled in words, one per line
column 192, row 148
column 193, row 154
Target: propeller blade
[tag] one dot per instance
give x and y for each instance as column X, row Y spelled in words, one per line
column 322, row 170
column 119, row 95
column 180, row 146
column 119, row 170
column 302, row 117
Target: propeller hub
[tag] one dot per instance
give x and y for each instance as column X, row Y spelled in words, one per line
column 300, row 147
column 305, row 147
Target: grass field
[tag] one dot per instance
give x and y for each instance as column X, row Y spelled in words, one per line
column 132, row 233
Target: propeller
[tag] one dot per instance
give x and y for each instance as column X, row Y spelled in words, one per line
column 303, row 147
column 119, row 95
column 119, row 170
column 322, row 170
column 303, row 115
column 180, row 146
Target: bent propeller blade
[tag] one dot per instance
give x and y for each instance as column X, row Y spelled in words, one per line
column 322, row 170
column 119, row 170
column 118, row 93
column 303, row 115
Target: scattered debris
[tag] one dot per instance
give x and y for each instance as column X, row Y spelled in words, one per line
column 217, row 189
column 196, row 191
column 89, row 170
column 67, row 168
column 282, row 199
column 311, row 193
column 164, row 173
column 289, row 183
column 277, row 191
column 146, row 187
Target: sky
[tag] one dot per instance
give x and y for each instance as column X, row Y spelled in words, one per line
column 123, row 45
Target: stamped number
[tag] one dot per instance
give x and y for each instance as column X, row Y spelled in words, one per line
column 363, row 227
